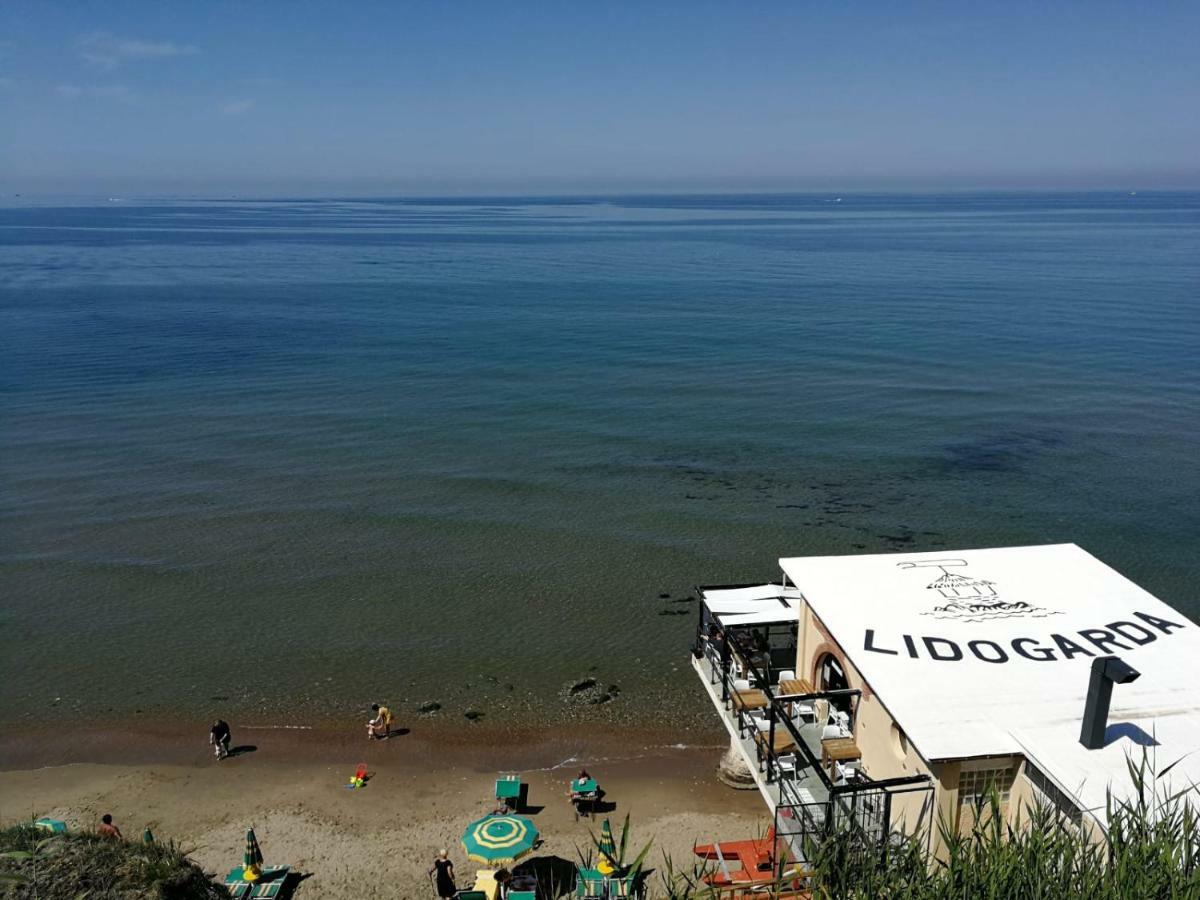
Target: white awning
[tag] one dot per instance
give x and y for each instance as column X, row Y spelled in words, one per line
column 761, row 617
column 751, row 599
column 988, row 652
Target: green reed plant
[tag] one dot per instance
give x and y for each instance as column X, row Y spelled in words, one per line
column 684, row 882
column 1151, row 850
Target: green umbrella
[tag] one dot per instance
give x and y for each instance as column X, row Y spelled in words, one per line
column 499, row 839
column 607, row 845
column 252, row 860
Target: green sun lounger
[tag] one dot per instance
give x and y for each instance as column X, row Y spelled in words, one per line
column 269, row 886
column 594, row 883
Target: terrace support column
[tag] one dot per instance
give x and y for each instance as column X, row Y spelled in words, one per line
column 733, row 771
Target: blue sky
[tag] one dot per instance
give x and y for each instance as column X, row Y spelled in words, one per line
column 595, row 96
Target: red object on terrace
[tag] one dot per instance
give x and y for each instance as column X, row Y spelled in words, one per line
column 740, row 862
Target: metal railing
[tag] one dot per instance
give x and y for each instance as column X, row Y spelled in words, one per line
column 867, row 813
column 865, row 805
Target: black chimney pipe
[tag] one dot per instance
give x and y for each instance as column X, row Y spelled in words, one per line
column 1106, row 671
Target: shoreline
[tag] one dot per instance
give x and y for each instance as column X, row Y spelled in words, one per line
column 426, row 786
column 489, row 746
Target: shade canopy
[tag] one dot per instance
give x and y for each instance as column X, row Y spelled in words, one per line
column 499, row 839
column 757, row 605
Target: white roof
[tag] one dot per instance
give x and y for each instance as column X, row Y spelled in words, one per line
column 988, row 652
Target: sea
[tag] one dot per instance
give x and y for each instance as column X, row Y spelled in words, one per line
column 279, row 459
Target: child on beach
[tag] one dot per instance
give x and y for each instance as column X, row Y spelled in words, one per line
column 219, row 736
column 380, row 725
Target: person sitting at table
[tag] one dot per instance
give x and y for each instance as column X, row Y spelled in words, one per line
column 574, row 793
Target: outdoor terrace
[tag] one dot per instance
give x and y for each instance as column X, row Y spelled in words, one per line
column 796, row 741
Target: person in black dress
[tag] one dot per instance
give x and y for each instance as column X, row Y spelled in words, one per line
column 444, row 870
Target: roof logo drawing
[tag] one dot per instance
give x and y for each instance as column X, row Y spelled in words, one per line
column 971, row 599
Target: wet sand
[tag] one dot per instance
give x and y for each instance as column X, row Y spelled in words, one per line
column 426, row 786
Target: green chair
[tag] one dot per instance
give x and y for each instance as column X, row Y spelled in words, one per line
column 510, row 791
column 592, row 883
column 522, row 895
column 585, row 794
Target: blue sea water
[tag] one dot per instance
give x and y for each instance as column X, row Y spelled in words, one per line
column 278, row 459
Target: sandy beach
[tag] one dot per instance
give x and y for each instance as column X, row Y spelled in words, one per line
column 426, row 785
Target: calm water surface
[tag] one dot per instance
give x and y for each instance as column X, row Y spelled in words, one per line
column 279, row 459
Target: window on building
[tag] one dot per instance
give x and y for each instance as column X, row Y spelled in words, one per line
column 975, row 782
column 832, row 677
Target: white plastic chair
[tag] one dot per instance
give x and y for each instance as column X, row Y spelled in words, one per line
column 785, row 675
column 831, row 731
column 760, row 720
column 741, row 684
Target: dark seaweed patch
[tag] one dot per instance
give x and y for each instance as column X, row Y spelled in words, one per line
column 998, row 453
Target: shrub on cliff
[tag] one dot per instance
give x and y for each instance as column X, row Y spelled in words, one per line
column 74, row 866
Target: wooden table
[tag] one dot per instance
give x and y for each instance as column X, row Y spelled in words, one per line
column 835, row 750
column 795, row 686
column 782, row 744
column 752, row 699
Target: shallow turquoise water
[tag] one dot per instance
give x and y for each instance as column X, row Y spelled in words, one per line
column 283, row 458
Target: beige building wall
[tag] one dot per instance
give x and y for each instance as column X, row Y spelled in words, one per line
column 1026, row 795
column 887, row 753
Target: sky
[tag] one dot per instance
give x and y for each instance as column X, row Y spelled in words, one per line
column 444, row 97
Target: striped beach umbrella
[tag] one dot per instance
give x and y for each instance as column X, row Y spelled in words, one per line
column 252, row 860
column 608, row 849
column 499, row 839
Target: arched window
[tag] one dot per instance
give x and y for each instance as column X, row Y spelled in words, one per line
column 832, row 677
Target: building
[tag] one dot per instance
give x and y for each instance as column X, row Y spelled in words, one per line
column 893, row 689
